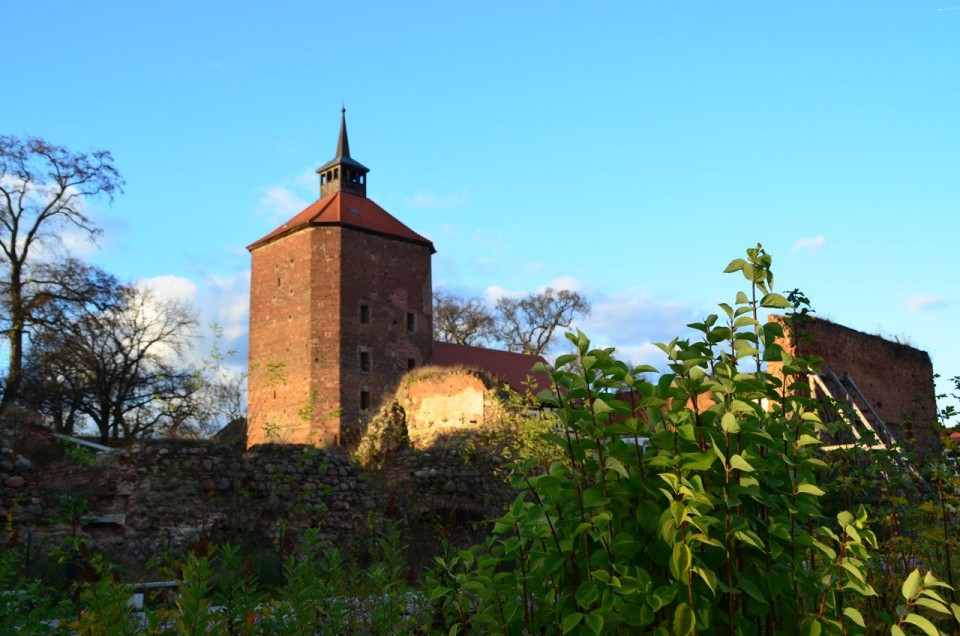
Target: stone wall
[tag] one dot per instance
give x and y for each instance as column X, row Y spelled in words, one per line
column 181, row 495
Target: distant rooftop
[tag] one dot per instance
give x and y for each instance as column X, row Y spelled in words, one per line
column 506, row 366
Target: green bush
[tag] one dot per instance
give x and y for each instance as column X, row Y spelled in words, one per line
column 716, row 528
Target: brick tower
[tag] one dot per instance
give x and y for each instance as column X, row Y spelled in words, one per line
column 340, row 309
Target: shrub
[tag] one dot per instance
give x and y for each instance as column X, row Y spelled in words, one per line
column 716, row 528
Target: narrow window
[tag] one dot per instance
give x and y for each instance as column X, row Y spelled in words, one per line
column 364, row 400
column 411, row 363
column 364, row 360
column 364, row 314
column 411, row 322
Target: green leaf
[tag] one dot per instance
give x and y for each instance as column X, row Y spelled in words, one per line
column 810, row 489
column 680, row 561
column 614, row 464
column 599, row 406
column 912, row 585
column 936, row 606
column 735, row 266
column 684, row 620
column 923, row 623
column 595, row 622
column 956, row 611
column 562, row 360
column 570, row 621
column 896, row 630
column 729, row 423
column 709, row 577
column 697, row 461
column 806, row 440
column 775, row 301
column 810, row 627
column 854, row 614
column 736, row 461
column 716, row 449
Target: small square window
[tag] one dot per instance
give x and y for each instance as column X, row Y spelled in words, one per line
column 411, row 322
column 364, row 400
column 364, row 360
column 364, row 314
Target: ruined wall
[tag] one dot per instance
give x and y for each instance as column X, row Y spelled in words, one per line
column 181, row 495
column 896, row 378
column 445, row 403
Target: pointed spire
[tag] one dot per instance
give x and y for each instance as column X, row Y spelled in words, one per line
column 343, row 173
column 343, row 144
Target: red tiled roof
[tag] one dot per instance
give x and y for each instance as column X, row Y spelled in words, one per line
column 509, row 367
column 348, row 210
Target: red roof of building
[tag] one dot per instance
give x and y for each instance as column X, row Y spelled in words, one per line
column 347, row 210
column 506, row 366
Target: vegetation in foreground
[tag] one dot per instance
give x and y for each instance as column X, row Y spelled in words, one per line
column 725, row 524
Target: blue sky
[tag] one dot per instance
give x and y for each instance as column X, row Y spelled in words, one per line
column 628, row 149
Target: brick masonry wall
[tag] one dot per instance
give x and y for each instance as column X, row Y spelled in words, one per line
column 897, row 379
column 307, row 289
column 444, row 403
column 280, row 321
column 392, row 278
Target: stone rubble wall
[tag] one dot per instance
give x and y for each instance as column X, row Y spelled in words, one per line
column 179, row 495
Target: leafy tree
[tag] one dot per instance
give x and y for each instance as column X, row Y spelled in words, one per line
column 527, row 325
column 458, row 320
column 115, row 365
column 43, row 190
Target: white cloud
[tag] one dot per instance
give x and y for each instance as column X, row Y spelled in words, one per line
column 635, row 317
column 427, row 200
column 170, row 287
column 568, row 283
column 280, row 203
column 809, row 244
column 493, row 292
column 220, row 300
column 926, row 302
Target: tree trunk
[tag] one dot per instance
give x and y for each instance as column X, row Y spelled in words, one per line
column 17, row 327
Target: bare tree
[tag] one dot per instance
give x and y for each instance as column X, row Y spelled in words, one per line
column 64, row 293
column 527, row 325
column 458, row 320
column 117, row 366
column 43, row 189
